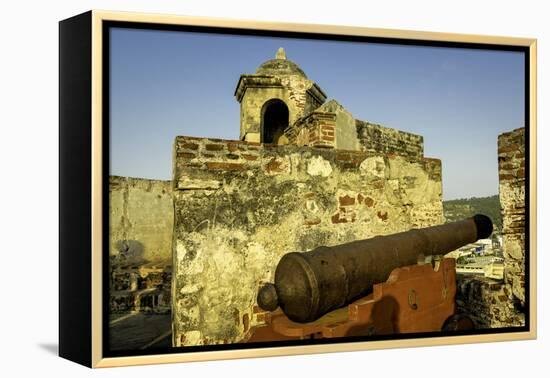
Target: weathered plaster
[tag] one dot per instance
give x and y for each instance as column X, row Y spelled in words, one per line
column 141, row 215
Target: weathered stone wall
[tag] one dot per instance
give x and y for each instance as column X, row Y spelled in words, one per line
column 487, row 302
column 141, row 219
column 493, row 303
column 240, row 206
column 511, row 169
column 385, row 140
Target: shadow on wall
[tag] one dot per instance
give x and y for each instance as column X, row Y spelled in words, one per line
column 129, row 252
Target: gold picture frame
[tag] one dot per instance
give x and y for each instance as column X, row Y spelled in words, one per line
column 82, row 281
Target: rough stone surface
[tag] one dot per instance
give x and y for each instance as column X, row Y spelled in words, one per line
column 141, row 219
column 385, row 140
column 487, row 302
column 502, row 304
column 140, row 239
column 272, row 200
column 511, row 169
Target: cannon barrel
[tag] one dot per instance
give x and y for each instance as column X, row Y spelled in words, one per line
column 311, row 284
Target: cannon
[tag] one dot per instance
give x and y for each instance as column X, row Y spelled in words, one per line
column 311, row 284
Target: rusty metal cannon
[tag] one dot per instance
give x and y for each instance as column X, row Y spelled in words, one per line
column 311, row 284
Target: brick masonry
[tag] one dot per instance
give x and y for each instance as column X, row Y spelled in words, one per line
column 317, row 129
column 511, row 169
column 385, row 140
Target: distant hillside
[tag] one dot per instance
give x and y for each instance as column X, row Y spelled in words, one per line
column 466, row 207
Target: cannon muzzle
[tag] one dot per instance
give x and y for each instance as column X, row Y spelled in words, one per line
column 310, row 284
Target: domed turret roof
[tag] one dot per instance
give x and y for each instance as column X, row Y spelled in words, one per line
column 280, row 66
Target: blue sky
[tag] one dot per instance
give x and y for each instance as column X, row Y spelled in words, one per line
column 167, row 83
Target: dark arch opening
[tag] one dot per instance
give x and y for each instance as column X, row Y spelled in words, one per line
column 274, row 120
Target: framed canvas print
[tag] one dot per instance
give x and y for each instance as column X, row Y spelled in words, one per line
column 234, row 189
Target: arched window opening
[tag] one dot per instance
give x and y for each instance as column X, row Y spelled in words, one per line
column 274, row 121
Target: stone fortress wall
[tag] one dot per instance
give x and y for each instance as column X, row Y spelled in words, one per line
column 304, row 173
column 239, row 206
column 141, row 216
column 511, row 169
